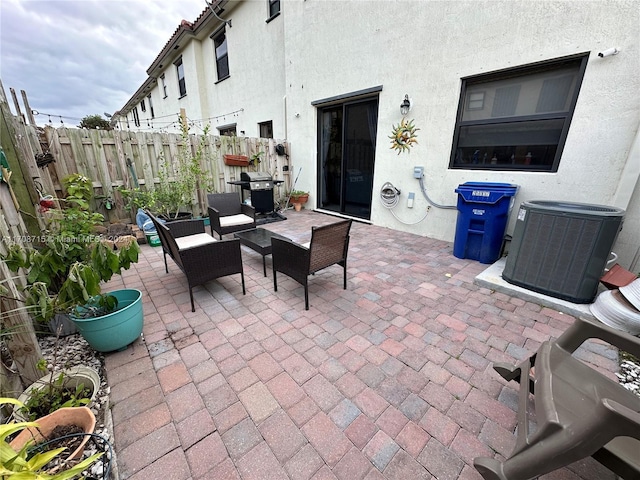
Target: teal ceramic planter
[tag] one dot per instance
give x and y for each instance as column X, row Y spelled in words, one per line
column 117, row 329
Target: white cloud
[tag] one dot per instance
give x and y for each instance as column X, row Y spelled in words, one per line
column 82, row 57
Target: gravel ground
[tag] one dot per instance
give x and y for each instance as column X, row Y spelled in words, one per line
column 71, row 351
column 629, row 375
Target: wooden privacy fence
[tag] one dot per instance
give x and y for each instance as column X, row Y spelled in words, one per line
column 16, row 329
column 117, row 158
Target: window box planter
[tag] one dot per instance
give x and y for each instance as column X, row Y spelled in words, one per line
column 236, row 160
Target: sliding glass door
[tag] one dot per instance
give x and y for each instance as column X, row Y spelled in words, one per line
column 346, row 156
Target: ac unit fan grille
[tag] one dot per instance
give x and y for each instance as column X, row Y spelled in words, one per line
column 562, row 252
column 555, row 252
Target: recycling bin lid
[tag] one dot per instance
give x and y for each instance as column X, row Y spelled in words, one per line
column 486, row 192
column 487, row 185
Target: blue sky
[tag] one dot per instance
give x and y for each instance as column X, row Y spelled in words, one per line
column 83, row 57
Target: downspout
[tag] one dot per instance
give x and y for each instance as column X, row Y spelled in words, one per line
column 284, row 108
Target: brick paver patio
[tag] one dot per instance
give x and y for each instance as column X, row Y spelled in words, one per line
column 389, row 379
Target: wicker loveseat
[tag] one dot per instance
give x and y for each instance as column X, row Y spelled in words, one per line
column 200, row 256
column 228, row 215
column 329, row 246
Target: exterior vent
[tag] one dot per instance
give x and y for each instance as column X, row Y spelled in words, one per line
column 561, row 248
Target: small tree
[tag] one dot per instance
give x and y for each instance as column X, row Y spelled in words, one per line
column 94, row 122
column 182, row 178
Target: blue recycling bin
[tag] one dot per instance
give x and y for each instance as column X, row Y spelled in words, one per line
column 483, row 212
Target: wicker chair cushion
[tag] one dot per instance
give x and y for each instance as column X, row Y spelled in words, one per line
column 233, row 220
column 194, row 240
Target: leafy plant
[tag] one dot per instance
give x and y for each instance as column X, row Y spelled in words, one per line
column 54, row 395
column 298, row 196
column 21, row 465
column 256, row 158
column 180, row 180
column 96, row 306
column 136, row 198
column 66, row 267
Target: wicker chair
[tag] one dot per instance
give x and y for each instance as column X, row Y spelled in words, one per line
column 227, row 214
column 200, row 256
column 579, row 412
column 329, row 246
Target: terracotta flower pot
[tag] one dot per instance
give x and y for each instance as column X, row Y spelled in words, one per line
column 82, row 417
column 236, row 160
column 298, row 200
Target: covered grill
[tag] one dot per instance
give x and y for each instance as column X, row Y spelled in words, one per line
column 260, row 185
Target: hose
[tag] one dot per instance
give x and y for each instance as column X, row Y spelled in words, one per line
column 390, row 197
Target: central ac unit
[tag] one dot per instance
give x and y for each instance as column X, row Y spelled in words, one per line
column 561, row 248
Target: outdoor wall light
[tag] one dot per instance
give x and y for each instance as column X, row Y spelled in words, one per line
column 609, row 51
column 405, row 106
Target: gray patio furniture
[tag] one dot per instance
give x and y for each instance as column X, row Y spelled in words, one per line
column 329, row 246
column 228, row 215
column 579, row 411
column 200, row 256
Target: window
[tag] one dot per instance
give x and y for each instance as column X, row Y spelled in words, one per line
column 136, row 118
column 182, row 86
column 227, row 130
column 150, row 106
column 143, row 107
column 222, row 60
column 266, row 129
column 517, row 119
column 274, row 8
column 164, row 86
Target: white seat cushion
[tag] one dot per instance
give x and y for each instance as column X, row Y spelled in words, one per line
column 194, row 240
column 233, row 220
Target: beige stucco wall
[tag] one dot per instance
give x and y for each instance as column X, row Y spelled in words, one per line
column 423, row 48
column 319, row 49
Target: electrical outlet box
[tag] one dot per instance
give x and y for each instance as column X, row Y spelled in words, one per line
column 412, row 197
column 418, row 172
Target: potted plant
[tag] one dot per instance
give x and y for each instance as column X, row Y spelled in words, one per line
column 256, row 159
column 110, row 321
column 66, row 267
column 137, row 198
column 18, row 459
column 298, row 198
column 72, row 387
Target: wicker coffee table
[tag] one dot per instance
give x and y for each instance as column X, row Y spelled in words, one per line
column 258, row 240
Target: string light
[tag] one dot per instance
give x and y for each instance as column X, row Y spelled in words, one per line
column 154, row 123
